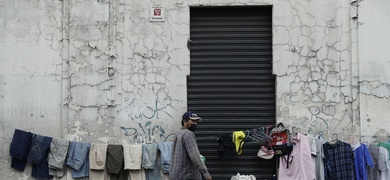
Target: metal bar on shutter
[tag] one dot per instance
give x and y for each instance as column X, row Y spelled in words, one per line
column 231, row 85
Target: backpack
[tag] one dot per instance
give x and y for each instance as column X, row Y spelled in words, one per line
column 281, row 140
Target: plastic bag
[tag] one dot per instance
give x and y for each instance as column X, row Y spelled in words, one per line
column 243, row 177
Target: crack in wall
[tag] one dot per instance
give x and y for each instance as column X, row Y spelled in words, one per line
column 375, row 88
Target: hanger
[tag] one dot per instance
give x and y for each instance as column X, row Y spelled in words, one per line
column 295, row 129
column 376, row 142
column 257, row 135
column 248, row 135
column 262, row 134
column 335, row 138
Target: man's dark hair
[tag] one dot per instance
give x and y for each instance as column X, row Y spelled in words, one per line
column 182, row 122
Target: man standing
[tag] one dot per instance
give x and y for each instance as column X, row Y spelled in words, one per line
column 186, row 163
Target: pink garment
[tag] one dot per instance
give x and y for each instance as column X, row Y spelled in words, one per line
column 300, row 163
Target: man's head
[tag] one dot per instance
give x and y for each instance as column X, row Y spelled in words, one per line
column 190, row 120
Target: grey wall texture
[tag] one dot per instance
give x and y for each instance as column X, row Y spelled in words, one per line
column 101, row 71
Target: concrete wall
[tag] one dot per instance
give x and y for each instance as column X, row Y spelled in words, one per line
column 30, row 73
column 100, row 71
column 312, row 61
column 374, row 65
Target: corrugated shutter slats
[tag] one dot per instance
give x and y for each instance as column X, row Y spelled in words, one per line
column 231, row 85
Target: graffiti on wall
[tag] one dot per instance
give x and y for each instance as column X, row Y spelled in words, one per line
column 148, row 112
column 147, row 133
column 144, row 129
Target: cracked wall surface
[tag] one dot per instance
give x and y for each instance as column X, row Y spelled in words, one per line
column 312, row 61
column 100, row 71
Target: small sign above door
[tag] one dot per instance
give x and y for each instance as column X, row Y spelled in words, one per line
column 156, row 13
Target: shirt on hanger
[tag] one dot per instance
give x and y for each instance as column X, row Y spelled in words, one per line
column 319, row 164
column 373, row 172
column 300, row 162
column 338, row 161
column 362, row 159
column 384, row 163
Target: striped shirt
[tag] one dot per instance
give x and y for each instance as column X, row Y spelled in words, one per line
column 373, row 173
column 383, row 160
column 186, row 163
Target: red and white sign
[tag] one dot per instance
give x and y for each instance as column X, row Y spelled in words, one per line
column 157, row 13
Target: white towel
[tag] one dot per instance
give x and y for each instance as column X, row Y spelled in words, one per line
column 132, row 156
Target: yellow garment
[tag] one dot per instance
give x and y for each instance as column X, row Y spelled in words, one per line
column 238, row 140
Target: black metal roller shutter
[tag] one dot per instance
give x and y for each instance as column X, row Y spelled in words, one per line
column 231, row 85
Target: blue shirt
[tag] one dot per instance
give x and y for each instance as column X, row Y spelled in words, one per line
column 362, row 159
column 338, row 161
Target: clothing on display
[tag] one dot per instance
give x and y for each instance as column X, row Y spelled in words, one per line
column 312, row 157
column 50, row 157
